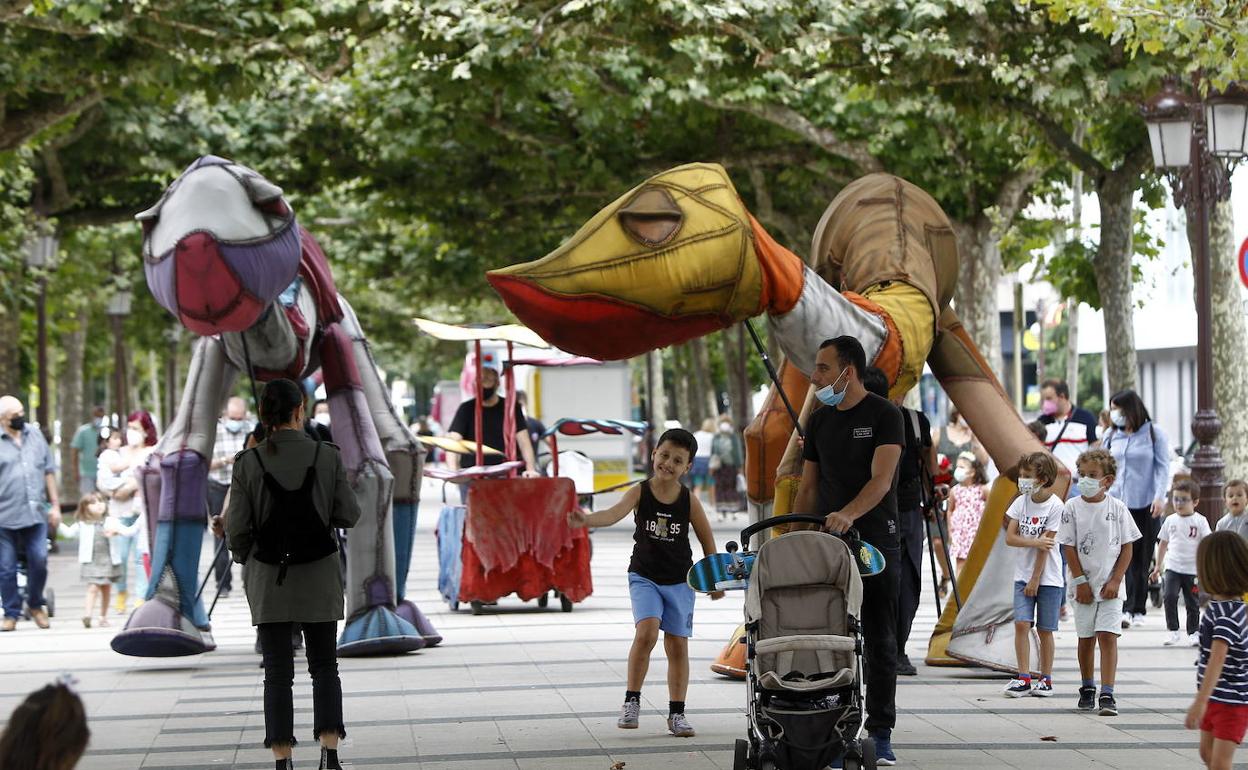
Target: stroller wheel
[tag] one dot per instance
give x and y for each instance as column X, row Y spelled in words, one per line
column 867, row 760
column 741, row 756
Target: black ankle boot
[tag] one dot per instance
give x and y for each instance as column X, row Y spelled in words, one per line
column 329, row 759
column 285, row 764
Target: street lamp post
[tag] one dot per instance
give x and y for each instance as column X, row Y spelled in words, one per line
column 118, row 309
column 1189, row 139
column 39, row 257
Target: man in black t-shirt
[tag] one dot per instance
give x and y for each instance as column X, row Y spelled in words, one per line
column 849, row 475
column 911, row 494
column 464, row 426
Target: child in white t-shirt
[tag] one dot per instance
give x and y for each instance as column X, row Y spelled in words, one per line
column 1096, row 535
column 1181, row 533
column 1034, row 518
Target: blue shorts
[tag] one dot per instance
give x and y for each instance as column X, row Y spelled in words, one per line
column 1041, row 609
column 700, row 472
column 672, row 605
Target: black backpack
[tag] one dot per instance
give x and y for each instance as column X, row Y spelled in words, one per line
column 293, row 532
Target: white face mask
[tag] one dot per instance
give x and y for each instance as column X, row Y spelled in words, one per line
column 1027, row 486
column 1117, row 418
column 134, row 437
column 961, row 474
column 1089, row 487
column 725, row 427
column 322, row 419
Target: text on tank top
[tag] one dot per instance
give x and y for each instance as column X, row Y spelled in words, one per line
column 661, row 551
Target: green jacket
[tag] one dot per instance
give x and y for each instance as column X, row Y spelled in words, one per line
column 312, row 592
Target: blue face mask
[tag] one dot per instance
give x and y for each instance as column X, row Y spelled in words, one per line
column 828, row 396
column 234, row 426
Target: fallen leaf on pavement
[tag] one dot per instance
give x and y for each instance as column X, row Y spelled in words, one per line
column 618, row 766
column 1052, row 738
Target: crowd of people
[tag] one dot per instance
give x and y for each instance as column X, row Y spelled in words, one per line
column 1125, row 524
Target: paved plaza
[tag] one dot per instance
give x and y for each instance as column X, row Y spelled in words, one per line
column 530, row 688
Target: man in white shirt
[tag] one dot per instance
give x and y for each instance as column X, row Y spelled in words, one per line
column 1070, row 430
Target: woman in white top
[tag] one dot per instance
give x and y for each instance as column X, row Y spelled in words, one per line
column 118, row 479
column 700, row 470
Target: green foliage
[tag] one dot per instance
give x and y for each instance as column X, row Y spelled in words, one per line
column 1208, row 38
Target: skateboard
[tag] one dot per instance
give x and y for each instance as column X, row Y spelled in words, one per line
column 721, row 572
column 870, row 560
column 731, row 571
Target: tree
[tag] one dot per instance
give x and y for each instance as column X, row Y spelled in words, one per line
column 794, row 99
column 1230, row 337
column 1208, row 43
column 1205, row 36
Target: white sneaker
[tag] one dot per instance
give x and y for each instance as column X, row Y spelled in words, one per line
column 1172, row 638
column 1137, row 621
column 630, row 715
column 1126, row 620
column 1193, row 640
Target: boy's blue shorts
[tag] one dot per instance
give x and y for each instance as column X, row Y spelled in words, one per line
column 671, row 604
column 1042, row 609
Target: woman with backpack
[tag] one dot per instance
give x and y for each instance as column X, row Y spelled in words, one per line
column 1143, row 455
column 287, row 495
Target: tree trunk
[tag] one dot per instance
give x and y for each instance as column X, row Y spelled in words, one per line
column 1072, row 303
column 1230, row 376
column 743, row 413
column 975, row 297
column 1072, row 347
column 681, row 386
column 703, row 397
column 1112, row 265
column 70, row 400
column 10, row 357
column 658, row 394
column 733, row 364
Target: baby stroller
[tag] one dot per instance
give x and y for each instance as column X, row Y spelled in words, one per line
column 804, row 682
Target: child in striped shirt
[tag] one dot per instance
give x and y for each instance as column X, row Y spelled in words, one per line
column 1221, row 706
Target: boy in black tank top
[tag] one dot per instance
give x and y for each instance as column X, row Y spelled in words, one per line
column 665, row 511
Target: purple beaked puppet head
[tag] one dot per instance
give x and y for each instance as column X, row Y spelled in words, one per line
column 219, row 246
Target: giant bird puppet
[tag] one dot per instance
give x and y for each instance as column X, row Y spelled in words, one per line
column 679, row 256
column 223, row 252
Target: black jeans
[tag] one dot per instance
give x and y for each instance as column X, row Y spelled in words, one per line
column 279, row 678
column 912, row 529
column 1141, row 560
column 1176, row 583
column 221, row 566
column 879, row 630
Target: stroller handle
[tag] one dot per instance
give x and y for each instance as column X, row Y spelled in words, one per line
column 791, row 518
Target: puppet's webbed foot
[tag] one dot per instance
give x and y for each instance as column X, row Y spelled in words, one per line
column 378, row 631
column 159, row 630
column 412, row 614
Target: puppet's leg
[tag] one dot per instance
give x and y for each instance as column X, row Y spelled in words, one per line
column 173, row 621
column 406, row 458
column 975, row 633
column 372, row 626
